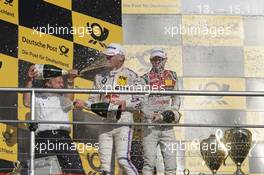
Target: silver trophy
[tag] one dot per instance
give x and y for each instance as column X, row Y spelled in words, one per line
column 17, row 168
column 239, row 140
column 213, row 152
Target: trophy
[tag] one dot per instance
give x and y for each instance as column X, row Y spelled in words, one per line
column 17, row 168
column 239, row 140
column 213, row 153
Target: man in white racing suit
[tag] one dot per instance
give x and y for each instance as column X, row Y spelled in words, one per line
column 119, row 78
column 160, row 109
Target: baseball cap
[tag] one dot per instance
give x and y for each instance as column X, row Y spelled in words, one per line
column 157, row 52
column 114, row 49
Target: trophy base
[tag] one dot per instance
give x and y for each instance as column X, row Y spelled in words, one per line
column 239, row 172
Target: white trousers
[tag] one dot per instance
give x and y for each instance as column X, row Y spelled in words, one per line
column 164, row 137
column 121, row 138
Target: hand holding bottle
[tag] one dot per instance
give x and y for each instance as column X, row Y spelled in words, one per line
column 46, row 71
column 32, row 72
column 79, row 104
column 121, row 103
column 72, row 74
column 156, row 117
column 100, row 108
column 70, row 77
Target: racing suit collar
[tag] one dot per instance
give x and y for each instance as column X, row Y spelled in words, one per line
column 157, row 71
column 115, row 71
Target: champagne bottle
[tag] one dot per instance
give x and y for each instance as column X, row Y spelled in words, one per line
column 102, row 109
column 46, row 71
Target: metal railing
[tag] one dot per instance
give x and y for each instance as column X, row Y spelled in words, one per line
column 140, row 92
column 32, row 120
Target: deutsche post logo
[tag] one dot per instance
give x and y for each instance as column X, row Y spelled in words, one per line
column 1, row 63
column 8, row 137
column 9, row 2
column 64, row 50
column 93, row 158
column 168, row 82
column 122, row 81
column 98, row 33
column 216, row 87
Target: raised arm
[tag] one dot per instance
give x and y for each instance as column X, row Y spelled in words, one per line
column 32, row 72
column 72, row 74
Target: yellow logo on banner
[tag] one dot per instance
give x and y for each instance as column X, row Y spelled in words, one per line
column 9, row 11
column 137, row 58
column 168, row 83
column 65, row 3
column 41, row 48
column 8, row 71
column 214, row 102
column 90, row 158
column 95, row 33
column 254, row 61
column 122, row 81
column 8, row 142
column 151, row 7
column 211, row 30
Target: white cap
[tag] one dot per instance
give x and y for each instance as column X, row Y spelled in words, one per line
column 114, row 49
column 158, row 52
